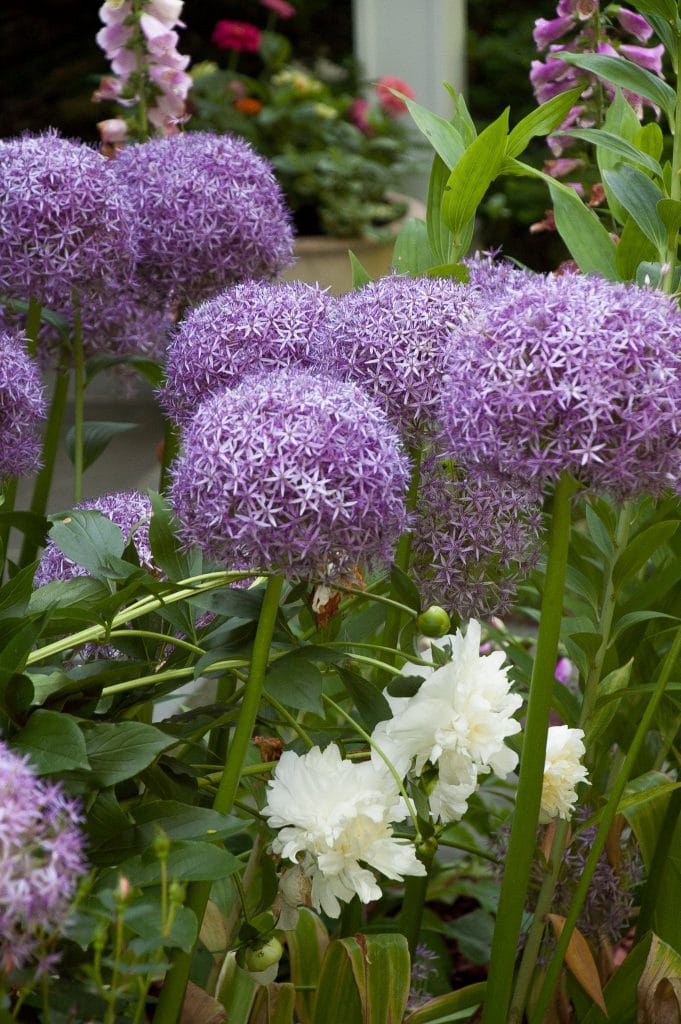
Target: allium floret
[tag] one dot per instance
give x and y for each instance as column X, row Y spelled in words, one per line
column 41, row 860
column 335, row 818
column 395, row 337
column 22, row 407
column 68, row 222
column 291, row 472
column 475, row 537
column 210, row 214
column 254, row 324
column 575, row 374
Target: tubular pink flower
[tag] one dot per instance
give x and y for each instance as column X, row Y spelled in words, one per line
column 546, row 32
column 166, row 11
column 635, row 24
column 160, row 39
column 648, row 57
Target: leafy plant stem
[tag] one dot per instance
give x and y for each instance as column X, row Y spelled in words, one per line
column 288, row 718
column 9, row 494
column 172, row 995
column 607, row 818
column 522, row 840
column 414, row 902
column 78, row 399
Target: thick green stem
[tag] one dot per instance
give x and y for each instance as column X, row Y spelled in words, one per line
column 171, row 447
column 43, row 481
column 393, row 620
column 605, row 824
column 414, row 902
column 78, row 401
column 523, row 833
column 9, row 495
column 172, row 995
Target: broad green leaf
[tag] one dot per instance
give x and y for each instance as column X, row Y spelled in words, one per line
column 633, row 249
column 588, row 241
column 620, row 992
column 639, row 196
column 439, row 235
column 615, row 681
column 445, row 1007
column 16, row 593
column 644, row 805
column 53, row 742
column 541, row 121
column 371, row 705
column 119, row 750
column 621, row 121
column 364, row 979
column 633, row 619
column 165, row 546
column 628, row 76
column 404, row 588
column 651, row 275
column 617, row 145
column 472, row 176
column 149, row 370
column 360, row 275
column 306, row 943
column 88, row 538
column 143, row 918
column 274, row 1004
column 296, row 682
column 412, row 254
column 659, row 989
column 473, row 933
column 641, row 549
column 338, row 999
column 649, row 139
column 443, row 136
column 97, row 435
column 187, row 862
column 237, row 991
column 455, row 271
column 665, row 9
column 669, row 212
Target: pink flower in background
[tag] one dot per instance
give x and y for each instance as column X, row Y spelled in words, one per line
column 112, row 131
column 649, row 57
column 358, row 112
column 546, row 32
column 634, row 23
column 237, row 35
column 280, row 7
column 564, row 671
column 563, row 166
column 392, row 104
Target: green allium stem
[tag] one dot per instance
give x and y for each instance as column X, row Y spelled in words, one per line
column 78, row 401
column 393, row 621
column 9, row 494
column 523, row 833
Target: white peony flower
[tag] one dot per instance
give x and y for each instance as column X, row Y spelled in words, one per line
column 562, row 772
column 458, row 720
column 334, row 816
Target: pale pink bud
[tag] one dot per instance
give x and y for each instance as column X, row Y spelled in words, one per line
column 112, row 37
column 108, row 89
column 160, row 40
column 166, row 11
column 112, row 13
column 113, row 131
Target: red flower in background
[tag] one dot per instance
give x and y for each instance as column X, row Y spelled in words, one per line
column 280, row 7
column 237, row 35
column 390, row 103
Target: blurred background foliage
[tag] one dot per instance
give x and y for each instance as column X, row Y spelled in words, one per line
column 50, row 64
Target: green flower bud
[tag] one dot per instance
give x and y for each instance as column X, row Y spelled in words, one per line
column 434, row 622
column 259, row 958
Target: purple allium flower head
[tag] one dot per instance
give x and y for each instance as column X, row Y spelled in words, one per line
column 210, row 213
column 572, row 373
column 291, row 472
column 41, row 859
column 129, row 510
column 395, row 337
column 67, row 220
column 475, row 537
column 255, row 325
column 22, row 406
column 490, row 276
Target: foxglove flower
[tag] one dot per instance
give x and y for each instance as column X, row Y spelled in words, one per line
column 210, row 214
column 41, row 860
column 291, row 472
column 475, row 537
column 22, row 407
column 576, row 374
column 334, row 817
column 68, row 222
column 255, row 324
column 395, row 337
column 563, row 771
column 458, row 720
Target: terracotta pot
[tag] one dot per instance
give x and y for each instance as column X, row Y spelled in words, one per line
column 324, row 259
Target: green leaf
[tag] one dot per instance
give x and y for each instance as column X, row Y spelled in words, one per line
column 620, row 992
column 143, row 918
column 306, row 946
column 88, row 538
column 447, row 142
column 296, row 682
column 97, row 435
column 472, row 175
column 165, row 546
column 449, row 1006
column 439, row 235
column 187, row 862
column 639, row 196
column 665, row 9
column 628, row 76
column 615, row 681
column 364, row 979
column 371, row 705
column 454, row 271
column 541, row 121
column 641, row 549
column 659, row 989
column 149, row 370
column 615, row 144
column 53, row 742
column 669, row 212
column 633, row 249
column 650, row 140
column 404, row 588
column 360, row 275
column 589, row 243
column 633, row 619
column 412, row 254
column 16, row 593
column 473, row 933
column 120, row 750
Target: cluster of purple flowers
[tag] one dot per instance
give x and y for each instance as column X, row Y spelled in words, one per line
column 41, row 861
column 22, row 407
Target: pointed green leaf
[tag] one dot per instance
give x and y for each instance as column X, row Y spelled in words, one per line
column 446, row 1007
column 641, row 549
column 589, row 243
column 639, row 196
column 665, row 9
column 88, row 538
column 97, row 435
column 650, row 140
column 541, row 121
column 377, row 968
column 615, row 144
column 628, row 76
column 620, row 992
column 360, row 275
column 371, row 705
column 119, row 750
column 472, row 176
column 615, row 681
column 295, row 681
column 443, row 136
column 53, row 742
column 669, row 212
column 165, row 546
column 306, row 943
column 274, row 1004
column 412, row 254
column 439, row 235
column 632, row 250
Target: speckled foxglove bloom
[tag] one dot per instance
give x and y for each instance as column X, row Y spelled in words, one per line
column 291, row 472
column 41, row 860
column 572, row 373
column 22, row 407
column 563, row 771
column 210, row 214
column 129, row 510
column 334, row 817
column 475, row 537
column 67, row 220
column 254, row 324
column 395, row 337
column 458, row 721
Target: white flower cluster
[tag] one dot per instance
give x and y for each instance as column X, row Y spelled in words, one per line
column 157, row 59
column 562, row 772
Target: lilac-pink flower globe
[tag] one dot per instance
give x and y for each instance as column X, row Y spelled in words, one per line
column 293, row 473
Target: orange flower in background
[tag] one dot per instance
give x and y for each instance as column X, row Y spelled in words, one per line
column 248, row 105
column 390, row 103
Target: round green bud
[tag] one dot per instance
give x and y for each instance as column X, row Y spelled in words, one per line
column 434, row 622
column 259, row 958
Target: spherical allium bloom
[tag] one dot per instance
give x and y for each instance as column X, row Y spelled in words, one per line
column 68, row 222
column 334, row 816
column 562, row 772
column 255, row 324
column 491, row 277
column 395, row 337
column 41, row 860
column 475, row 537
column 575, row 374
column 291, row 472
column 129, row 510
column 22, row 406
column 241, row 36
column 210, row 213
column 457, row 720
